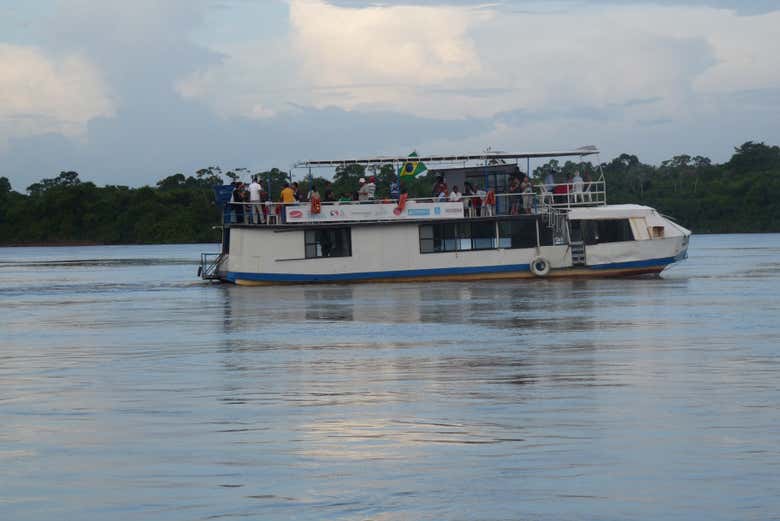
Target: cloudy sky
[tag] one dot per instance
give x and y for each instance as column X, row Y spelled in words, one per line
column 129, row 92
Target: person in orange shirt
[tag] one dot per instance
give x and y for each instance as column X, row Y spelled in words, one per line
column 288, row 197
column 288, row 194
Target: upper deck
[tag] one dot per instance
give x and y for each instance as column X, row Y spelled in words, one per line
column 495, row 196
column 540, row 201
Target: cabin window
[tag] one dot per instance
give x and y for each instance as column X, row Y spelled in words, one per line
column 329, row 242
column 483, row 236
column 608, row 230
column 437, row 238
column 517, row 234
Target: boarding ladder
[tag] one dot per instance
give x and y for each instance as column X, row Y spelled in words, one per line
column 556, row 221
column 209, row 263
column 577, row 253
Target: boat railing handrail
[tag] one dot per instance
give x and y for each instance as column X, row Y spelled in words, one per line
column 209, row 264
column 596, row 189
column 542, row 199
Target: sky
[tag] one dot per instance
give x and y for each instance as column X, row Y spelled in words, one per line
column 128, row 93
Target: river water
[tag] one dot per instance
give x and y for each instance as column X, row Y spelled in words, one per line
column 131, row 390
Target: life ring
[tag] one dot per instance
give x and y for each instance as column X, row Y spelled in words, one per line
column 540, row 266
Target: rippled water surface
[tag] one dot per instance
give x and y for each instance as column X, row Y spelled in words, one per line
column 129, row 389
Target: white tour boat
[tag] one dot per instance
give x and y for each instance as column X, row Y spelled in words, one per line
column 574, row 234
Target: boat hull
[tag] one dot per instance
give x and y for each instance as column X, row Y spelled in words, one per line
column 395, row 253
column 630, row 269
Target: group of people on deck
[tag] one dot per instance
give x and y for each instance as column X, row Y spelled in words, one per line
column 576, row 189
column 252, row 204
column 476, row 201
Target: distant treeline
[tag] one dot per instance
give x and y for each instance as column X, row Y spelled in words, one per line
column 741, row 195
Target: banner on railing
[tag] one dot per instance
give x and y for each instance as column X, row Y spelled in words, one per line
column 377, row 211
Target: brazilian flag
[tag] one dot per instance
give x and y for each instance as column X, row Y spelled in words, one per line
column 412, row 166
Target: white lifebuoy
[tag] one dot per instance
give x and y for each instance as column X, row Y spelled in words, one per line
column 540, row 266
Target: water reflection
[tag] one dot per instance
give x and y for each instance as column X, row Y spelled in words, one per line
column 166, row 398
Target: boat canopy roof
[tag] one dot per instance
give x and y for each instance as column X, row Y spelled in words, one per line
column 615, row 211
column 485, row 156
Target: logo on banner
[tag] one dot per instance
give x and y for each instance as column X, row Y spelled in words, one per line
column 295, row 214
column 418, row 211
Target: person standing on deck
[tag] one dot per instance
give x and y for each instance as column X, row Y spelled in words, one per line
column 363, row 191
column 515, row 188
column 288, row 198
column 237, row 202
column 480, row 200
column 255, row 215
column 247, row 206
column 371, row 188
column 329, row 195
column 436, row 188
column 588, row 184
column 528, row 195
column 577, row 185
column 549, row 182
column 395, row 189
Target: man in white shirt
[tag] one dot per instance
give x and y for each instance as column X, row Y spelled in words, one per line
column 255, row 213
column 578, row 184
column 371, row 186
column 363, row 191
column 455, row 195
column 549, row 186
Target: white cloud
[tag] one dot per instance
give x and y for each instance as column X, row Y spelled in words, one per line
column 385, row 51
column 455, row 62
column 43, row 94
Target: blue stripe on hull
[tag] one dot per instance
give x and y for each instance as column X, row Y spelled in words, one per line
column 634, row 264
column 340, row 277
column 435, row 272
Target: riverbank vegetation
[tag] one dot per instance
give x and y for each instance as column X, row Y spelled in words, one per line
column 741, row 195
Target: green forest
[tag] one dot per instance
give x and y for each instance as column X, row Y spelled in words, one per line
column 741, row 195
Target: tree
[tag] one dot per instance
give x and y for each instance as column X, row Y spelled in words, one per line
column 701, row 161
column 210, row 176
column 346, row 178
column 172, row 181
column 66, row 178
column 273, row 180
column 752, row 157
column 677, row 162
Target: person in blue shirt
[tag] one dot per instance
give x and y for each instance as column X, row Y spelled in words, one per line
column 395, row 189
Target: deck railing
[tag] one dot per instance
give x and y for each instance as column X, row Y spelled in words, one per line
column 557, row 198
column 209, row 263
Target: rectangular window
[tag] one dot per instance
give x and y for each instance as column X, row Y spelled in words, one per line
column 483, row 236
column 437, row 238
column 426, row 239
column 517, row 234
column 330, row 242
column 610, row 230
